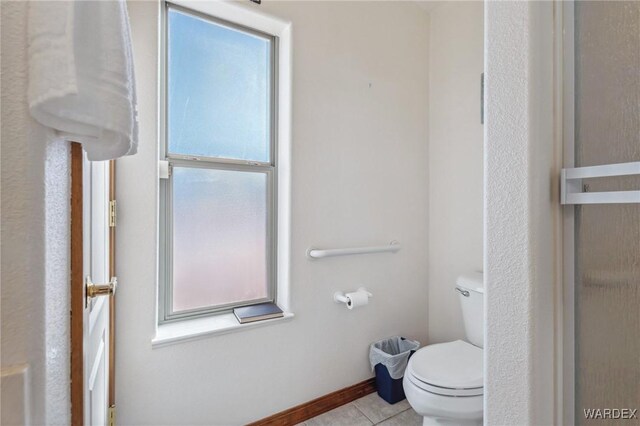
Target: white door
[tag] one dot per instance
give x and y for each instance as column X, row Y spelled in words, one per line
column 96, row 266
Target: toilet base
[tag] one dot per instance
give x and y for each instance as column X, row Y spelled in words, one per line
column 439, row 421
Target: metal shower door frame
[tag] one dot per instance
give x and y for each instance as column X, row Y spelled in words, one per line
column 565, row 40
column 572, row 193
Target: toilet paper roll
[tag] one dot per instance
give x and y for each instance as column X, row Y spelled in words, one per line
column 357, row 299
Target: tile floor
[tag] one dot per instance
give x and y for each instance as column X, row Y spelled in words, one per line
column 366, row 411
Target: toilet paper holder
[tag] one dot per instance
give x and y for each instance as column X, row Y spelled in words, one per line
column 341, row 297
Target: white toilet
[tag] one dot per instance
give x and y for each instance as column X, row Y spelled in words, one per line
column 444, row 382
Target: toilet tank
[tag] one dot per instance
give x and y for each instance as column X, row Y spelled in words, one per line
column 470, row 289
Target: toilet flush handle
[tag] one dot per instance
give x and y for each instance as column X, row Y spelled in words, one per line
column 465, row 293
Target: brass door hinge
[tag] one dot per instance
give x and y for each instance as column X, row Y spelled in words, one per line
column 112, row 415
column 112, row 214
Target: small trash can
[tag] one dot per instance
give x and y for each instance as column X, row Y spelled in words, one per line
column 389, row 359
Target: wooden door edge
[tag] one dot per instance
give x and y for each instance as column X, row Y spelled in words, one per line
column 77, row 286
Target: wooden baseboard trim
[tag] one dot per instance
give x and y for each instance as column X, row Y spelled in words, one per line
column 320, row 405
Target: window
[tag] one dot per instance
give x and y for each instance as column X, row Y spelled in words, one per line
column 218, row 201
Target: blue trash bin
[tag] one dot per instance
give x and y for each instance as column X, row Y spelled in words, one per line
column 388, row 358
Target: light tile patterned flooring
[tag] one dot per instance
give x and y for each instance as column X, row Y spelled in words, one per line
column 366, row 411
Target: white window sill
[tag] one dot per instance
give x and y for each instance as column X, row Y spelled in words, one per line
column 198, row 328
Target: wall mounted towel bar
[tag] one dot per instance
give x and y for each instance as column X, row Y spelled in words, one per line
column 315, row 253
column 572, row 191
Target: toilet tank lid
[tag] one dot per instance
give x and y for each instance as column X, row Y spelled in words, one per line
column 471, row 281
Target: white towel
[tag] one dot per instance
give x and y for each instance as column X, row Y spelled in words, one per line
column 81, row 80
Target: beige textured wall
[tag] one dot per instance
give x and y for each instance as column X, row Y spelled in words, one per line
column 35, row 246
column 359, row 167
column 455, row 159
column 521, row 215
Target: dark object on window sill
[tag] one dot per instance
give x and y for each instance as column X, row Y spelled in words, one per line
column 256, row 1
column 263, row 311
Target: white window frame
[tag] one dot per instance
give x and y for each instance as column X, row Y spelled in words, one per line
column 277, row 169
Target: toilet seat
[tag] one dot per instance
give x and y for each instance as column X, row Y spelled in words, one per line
column 448, row 369
column 448, row 392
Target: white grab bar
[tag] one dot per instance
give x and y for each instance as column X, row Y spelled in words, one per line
column 315, row 253
column 571, row 189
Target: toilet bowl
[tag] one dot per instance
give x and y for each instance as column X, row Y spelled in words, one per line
column 444, row 382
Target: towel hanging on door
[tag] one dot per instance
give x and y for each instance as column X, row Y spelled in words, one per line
column 81, row 77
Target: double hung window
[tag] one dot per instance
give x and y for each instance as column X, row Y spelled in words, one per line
column 218, row 196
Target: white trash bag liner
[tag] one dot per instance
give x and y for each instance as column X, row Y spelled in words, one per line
column 393, row 353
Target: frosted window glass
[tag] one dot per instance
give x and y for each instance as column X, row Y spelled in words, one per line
column 219, row 237
column 218, row 90
column 607, row 287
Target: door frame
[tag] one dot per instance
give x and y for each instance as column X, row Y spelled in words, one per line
column 77, row 290
column 77, row 287
column 564, row 107
column 112, row 299
column 566, row 129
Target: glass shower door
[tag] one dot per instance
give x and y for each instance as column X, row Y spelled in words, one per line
column 606, row 120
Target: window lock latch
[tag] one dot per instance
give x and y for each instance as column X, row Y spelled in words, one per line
column 164, row 169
